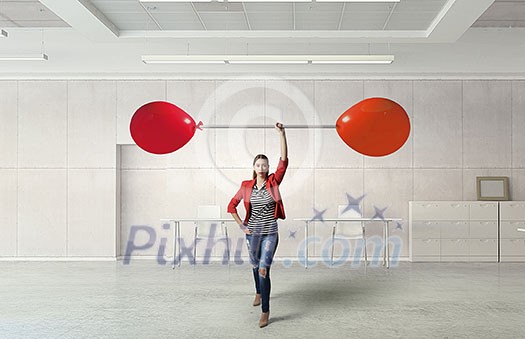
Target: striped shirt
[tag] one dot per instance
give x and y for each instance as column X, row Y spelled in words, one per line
column 262, row 220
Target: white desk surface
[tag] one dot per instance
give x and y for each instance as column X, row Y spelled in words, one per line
column 296, row 219
column 348, row 219
column 198, row 219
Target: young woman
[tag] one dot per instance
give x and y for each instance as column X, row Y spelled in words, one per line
column 263, row 204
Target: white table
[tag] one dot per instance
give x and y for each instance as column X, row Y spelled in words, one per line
column 386, row 222
column 176, row 231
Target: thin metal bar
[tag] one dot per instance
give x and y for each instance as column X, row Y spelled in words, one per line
column 179, row 240
column 387, row 245
column 264, row 126
column 174, row 243
column 306, row 244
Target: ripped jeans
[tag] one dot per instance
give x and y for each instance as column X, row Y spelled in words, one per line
column 262, row 248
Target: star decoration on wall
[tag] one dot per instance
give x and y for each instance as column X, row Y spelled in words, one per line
column 318, row 214
column 353, row 204
column 399, row 225
column 379, row 213
column 291, row 234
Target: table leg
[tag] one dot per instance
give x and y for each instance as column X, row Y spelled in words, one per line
column 387, row 244
column 178, row 237
column 172, row 224
column 306, row 244
column 384, row 243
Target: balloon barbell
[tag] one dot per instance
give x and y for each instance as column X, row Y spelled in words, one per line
column 374, row 127
column 264, row 126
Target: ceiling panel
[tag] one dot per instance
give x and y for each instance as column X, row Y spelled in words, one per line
column 224, row 21
column 106, row 6
column 271, row 20
column 218, row 7
column 409, row 21
column 33, row 23
column 190, row 25
column 318, row 7
column 358, row 7
column 369, row 18
column 29, row 11
column 499, row 23
column 503, row 13
column 182, row 7
column 420, row 6
column 267, row 16
column 317, row 21
column 369, row 21
column 268, row 7
column 182, row 21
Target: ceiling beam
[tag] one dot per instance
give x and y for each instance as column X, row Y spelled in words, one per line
column 85, row 18
column 354, row 36
column 456, row 17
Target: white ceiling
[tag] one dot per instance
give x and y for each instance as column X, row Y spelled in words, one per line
column 101, row 35
column 503, row 13
column 27, row 13
column 134, row 15
column 407, row 15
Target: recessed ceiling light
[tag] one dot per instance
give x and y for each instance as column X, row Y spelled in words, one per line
column 269, row 0
column 358, row 0
column 182, row 59
column 268, row 59
column 353, row 59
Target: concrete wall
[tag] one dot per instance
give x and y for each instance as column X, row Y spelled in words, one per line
column 73, row 184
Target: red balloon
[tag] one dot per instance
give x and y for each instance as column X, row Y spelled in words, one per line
column 374, row 127
column 160, row 127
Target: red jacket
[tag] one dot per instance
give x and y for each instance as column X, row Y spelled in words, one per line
column 272, row 185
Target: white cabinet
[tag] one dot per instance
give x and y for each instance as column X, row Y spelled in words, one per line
column 512, row 241
column 483, row 249
column 425, row 250
column 450, row 231
column 440, row 210
column 483, row 229
column 512, row 210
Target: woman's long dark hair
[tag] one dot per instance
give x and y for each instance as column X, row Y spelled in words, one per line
column 257, row 157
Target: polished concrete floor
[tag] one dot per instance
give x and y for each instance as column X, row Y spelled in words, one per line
column 145, row 300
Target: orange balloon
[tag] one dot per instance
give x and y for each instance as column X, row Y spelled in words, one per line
column 375, row 127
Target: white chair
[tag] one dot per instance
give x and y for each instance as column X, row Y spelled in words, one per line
column 205, row 230
column 348, row 230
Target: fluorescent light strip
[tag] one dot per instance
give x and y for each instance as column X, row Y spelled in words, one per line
column 183, row 59
column 41, row 57
column 268, row 59
column 358, row 0
column 352, row 59
column 269, row 1
column 3, row 34
column 179, row 1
